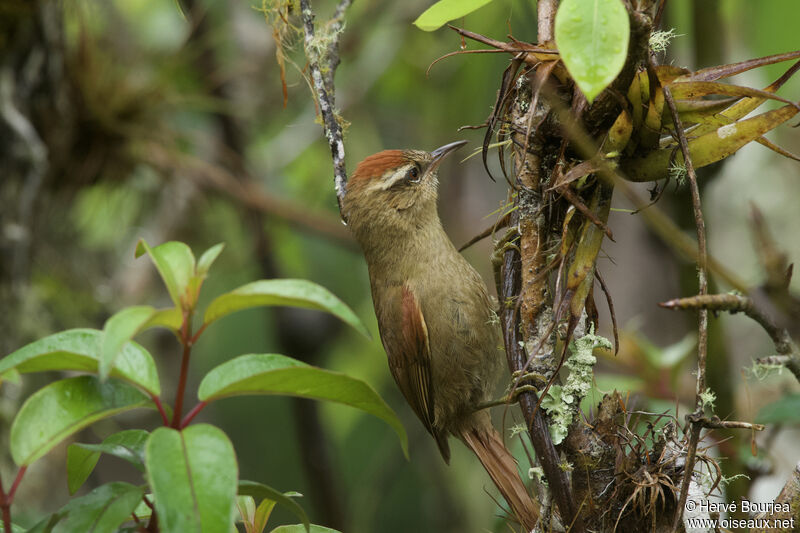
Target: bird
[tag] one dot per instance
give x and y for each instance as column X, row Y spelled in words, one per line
column 435, row 318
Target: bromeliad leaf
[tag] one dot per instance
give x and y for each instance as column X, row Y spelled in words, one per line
column 444, row 11
column 289, row 292
column 79, row 349
column 259, row 491
column 64, row 408
column 125, row 324
column 592, row 39
column 193, row 476
column 278, row 374
column 175, row 263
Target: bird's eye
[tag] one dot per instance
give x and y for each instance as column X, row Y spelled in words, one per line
column 413, row 174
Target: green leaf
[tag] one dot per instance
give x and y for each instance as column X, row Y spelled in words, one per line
column 783, row 411
column 444, row 11
column 125, row 324
column 300, row 528
column 208, row 258
column 175, row 263
column 12, row 376
column 102, row 510
column 261, row 517
column 82, row 458
column 193, row 476
column 260, row 491
column 80, row 465
column 65, row 407
column 128, row 445
column 278, row 374
column 46, row 524
column 247, row 510
column 592, row 39
column 79, row 349
column 289, row 292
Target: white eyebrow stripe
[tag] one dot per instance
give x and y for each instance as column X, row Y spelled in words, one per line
column 399, row 174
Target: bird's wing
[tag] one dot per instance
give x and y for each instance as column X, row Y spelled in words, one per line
column 410, row 358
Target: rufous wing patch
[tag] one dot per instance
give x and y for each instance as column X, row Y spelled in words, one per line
column 411, row 364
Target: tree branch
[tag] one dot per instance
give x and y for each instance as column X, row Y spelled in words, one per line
column 333, row 130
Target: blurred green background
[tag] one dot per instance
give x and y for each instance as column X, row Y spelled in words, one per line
column 150, row 124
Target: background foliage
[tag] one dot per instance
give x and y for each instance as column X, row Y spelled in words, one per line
column 163, row 127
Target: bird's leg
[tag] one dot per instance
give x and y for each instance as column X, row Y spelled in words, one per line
column 518, row 386
column 501, row 246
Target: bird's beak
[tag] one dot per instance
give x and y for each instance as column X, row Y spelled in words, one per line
column 440, row 153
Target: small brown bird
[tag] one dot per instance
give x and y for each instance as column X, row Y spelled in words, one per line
column 435, row 319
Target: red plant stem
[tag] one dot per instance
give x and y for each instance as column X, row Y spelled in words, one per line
column 160, row 407
column 176, row 416
column 193, row 413
column 13, row 490
column 193, row 340
column 7, row 499
column 6, row 517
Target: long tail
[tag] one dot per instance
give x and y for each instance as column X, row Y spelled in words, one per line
column 487, row 444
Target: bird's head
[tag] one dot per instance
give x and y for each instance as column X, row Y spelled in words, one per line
column 393, row 192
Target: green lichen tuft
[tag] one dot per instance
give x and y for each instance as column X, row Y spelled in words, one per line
column 659, row 40
column 563, row 402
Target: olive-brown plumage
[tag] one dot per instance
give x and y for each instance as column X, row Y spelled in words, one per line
column 440, row 335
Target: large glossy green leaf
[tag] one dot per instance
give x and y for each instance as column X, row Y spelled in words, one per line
column 300, row 528
column 101, row 510
column 785, row 410
column 79, row 349
column 289, row 292
column 278, row 374
column 125, row 324
column 175, row 263
column 65, row 407
column 444, row 11
column 193, row 475
column 592, row 39
column 82, row 458
column 259, row 491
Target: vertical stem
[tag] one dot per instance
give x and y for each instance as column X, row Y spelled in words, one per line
column 7, row 499
column 176, row 415
column 546, row 11
column 5, row 509
column 702, row 279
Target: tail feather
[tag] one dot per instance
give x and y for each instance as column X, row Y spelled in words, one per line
column 501, row 466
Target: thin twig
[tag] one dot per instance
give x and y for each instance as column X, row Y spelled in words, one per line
column 702, row 281
column 333, row 130
column 792, row 362
column 735, row 303
column 336, row 24
column 714, row 422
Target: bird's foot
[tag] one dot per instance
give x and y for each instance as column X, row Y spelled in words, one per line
column 501, row 246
